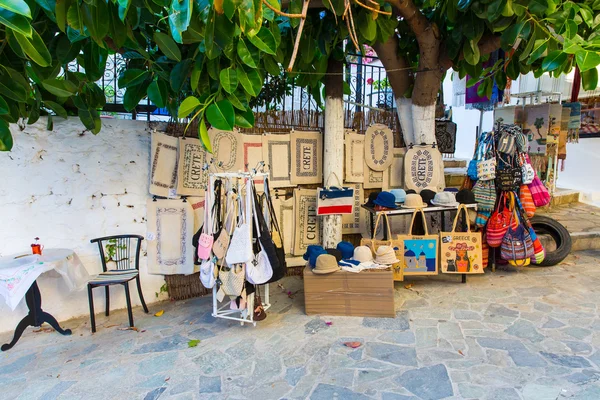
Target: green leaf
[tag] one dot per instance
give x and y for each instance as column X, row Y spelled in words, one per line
column 16, row 6
column 180, row 15
column 90, row 119
column 59, row 87
column 12, row 87
column 158, row 93
column 74, row 17
column 203, row 136
column 229, row 7
column 510, row 35
column 57, row 108
column 587, row 60
column 234, row 98
column 15, row 22
column 539, row 48
column 570, row 29
column 587, row 16
column 168, row 46
column 132, row 77
column 572, row 47
column 135, row 94
column 65, row 50
column 244, row 119
column 265, row 41
column 553, row 60
column 34, row 47
column 250, row 81
column 495, row 9
column 4, row 109
column 367, row 26
column 48, row 5
column 471, row 52
column 187, row 106
column 463, row 4
column 221, row 115
column 197, row 71
column 6, row 140
column 271, row 65
column 94, row 60
column 62, row 6
column 527, row 51
column 229, row 80
column 589, row 79
column 179, row 74
column 123, row 8
column 538, row 7
column 245, row 54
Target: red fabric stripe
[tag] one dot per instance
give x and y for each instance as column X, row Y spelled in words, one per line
column 335, row 210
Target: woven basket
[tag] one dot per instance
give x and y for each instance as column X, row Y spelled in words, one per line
column 181, row 287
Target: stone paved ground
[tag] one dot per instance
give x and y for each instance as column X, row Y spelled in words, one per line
column 531, row 333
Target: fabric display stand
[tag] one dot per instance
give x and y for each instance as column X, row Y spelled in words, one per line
column 508, row 191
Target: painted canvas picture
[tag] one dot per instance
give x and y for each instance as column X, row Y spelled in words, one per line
column 420, row 256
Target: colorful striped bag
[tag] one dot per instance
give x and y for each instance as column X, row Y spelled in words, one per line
column 526, row 201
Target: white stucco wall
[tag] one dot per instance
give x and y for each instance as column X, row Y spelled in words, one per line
column 67, row 187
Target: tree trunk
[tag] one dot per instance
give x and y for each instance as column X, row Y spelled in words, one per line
column 333, row 157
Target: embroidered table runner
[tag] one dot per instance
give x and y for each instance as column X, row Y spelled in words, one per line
column 163, row 172
column 18, row 274
column 277, row 154
column 307, row 158
column 192, row 178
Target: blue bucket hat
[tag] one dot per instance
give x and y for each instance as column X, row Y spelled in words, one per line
column 386, row 199
column 347, row 250
column 399, row 194
column 310, row 250
column 312, row 261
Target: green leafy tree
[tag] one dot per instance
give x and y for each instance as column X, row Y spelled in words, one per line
column 208, row 59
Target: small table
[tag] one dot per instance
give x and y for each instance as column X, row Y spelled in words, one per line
column 18, row 279
column 406, row 211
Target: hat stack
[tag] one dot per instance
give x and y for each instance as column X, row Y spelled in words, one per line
column 386, row 255
column 427, row 195
column 444, row 199
column 335, row 252
column 312, row 252
column 371, row 201
column 399, row 194
column 363, row 254
column 386, row 199
column 326, row 264
column 465, row 196
column 414, row 200
column 346, row 249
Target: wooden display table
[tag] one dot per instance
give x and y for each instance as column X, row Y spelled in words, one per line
column 364, row 294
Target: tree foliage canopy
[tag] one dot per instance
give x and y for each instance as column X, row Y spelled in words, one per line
column 208, row 59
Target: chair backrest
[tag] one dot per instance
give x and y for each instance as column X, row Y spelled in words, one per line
column 119, row 252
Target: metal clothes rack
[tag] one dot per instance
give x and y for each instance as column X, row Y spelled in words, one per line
column 223, row 311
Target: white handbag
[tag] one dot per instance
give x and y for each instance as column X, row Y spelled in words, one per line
column 259, row 270
column 240, row 246
column 207, row 273
column 232, row 279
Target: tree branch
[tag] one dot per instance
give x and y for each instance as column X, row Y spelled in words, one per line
column 396, row 66
column 486, row 45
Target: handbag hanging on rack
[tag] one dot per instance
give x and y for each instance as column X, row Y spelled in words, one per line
column 206, row 238
column 333, row 200
column 517, row 246
column 276, row 236
column 240, row 246
column 232, row 278
column 498, row 223
column 266, row 241
column 486, row 168
column 259, row 270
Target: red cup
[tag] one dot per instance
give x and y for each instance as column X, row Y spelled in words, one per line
column 36, row 249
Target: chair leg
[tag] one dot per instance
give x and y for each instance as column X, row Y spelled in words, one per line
column 128, row 298
column 91, row 301
column 107, row 292
column 139, row 286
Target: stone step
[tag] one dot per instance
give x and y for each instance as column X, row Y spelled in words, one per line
column 454, row 176
column 455, row 162
column 565, row 196
column 581, row 220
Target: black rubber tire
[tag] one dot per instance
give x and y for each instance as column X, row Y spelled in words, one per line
column 546, row 225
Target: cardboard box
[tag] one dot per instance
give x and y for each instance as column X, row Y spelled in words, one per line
column 363, row 294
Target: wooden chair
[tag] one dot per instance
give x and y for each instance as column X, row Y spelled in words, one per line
column 119, row 267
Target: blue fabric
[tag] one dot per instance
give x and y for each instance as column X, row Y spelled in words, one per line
column 347, row 249
column 312, row 261
column 348, row 263
column 399, row 194
column 310, row 250
column 336, row 193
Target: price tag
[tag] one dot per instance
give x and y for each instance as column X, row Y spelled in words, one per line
column 172, row 193
column 150, row 236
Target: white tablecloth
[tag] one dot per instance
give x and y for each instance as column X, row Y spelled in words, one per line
column 18, row 274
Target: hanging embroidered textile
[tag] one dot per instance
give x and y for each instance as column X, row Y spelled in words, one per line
column 379, row 146
column 351, row 222
column 253, row 156
column 307, row 158
column 197, row 204
column 372, row 179
column 163, row 171
column 308, row 225
column 191, row 176
column 284, row 209
column 537, row 124
column 445, row 136
column 423, row 169
column 277, row 154
column 354, row 146
column 394, row 176
column 227, row 150
column 170, row 225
